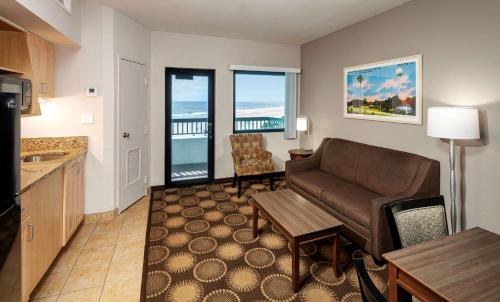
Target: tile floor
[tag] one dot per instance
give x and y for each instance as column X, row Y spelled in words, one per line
column 102, row 262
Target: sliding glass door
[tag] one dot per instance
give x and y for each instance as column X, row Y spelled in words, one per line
column 189, row 126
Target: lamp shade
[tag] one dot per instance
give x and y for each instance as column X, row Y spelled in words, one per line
column 302, row 124
column 453, row 122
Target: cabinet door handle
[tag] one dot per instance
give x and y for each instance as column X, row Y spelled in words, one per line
column 31, row 229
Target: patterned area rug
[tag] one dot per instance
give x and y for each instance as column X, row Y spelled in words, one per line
column 201, row 249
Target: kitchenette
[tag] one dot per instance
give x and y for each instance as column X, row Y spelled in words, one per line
column 42, row 197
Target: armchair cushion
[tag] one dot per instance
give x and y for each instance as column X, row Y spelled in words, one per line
column 253, row 167
column 315, row 181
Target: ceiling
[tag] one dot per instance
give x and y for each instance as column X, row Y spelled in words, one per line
column 281, row 21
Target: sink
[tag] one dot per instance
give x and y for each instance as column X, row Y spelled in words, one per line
column 42, row 157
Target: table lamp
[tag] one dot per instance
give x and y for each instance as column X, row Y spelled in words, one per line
column 453, row 123
column 303, row 126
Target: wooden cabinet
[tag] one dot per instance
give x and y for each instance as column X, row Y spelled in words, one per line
column 41, row 236
column 73, row 205
column 41, row 54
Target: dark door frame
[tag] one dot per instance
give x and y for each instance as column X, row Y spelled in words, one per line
column 168, row 121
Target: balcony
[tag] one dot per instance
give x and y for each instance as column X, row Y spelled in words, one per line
column 189, row 143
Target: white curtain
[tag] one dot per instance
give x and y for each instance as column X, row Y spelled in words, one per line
column 291, row 101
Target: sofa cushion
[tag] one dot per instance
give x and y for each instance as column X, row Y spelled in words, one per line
column 340, row 158
column 315, row 181
column 352, row 201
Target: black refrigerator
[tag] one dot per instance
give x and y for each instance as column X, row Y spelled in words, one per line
column 12, row 91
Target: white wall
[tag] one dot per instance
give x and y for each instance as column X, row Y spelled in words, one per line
column 52, row 13
column 105, row 33
column 191, row 51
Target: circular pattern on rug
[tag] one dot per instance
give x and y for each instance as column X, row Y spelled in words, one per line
column 215, row 188
column 172, row 198
column 313, row 292
column 175, row 222
column 352, row 297
column 220, row 196
column 261, row 223
column 158, row 204
column 220, row 231
column 171, row 190
column 376, row 279
column 177, row 239
column 242, row 279
column 209, row 203
column 306, row 249
column 157, row 254
column 246, row 210
column 180, row 262
column 277, row 287
column 275, row 229
column 258, row 186
column 197, row 226
column 231, row 190
column 213, row 216
column 235, row 219
column 189, row 201
column 222, row 295
column 185, row 291
column 242, row 199
column 227, row 206
column 173, row 209
column 249, row 192
column 259, row 257
column 210, row 270
column 157, row 283
column 284, row 265
column 202, row 245
column 186, row 191
column 157, row 233
column 203, row 194
column 230, row 251
column 323, row 273
column 193, row 212
column 244, row 236
column 157, row 217
column 273, row 241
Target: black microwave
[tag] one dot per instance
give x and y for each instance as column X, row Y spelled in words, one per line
column 21, row 87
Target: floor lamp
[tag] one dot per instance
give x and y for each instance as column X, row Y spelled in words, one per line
column 453, row 123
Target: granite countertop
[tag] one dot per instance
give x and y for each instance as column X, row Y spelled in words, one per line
column 31, row 172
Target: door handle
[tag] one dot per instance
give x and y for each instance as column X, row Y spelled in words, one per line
column 125, row 135
column 210, row 130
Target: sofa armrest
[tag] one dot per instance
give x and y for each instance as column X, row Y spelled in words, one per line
column 425, row 183
column 312, row 162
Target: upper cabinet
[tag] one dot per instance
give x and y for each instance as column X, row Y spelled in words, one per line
column 41, row 55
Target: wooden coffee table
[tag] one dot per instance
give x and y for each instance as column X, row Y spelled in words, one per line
column 300, row 221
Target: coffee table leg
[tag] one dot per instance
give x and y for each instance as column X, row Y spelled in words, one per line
column 295, row 266
column 335, row 255
column 255, row 220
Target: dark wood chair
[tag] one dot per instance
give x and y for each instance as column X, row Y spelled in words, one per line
column 369, row 291
column 413, row 221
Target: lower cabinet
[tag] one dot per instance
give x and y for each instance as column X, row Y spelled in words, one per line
column 73, row 206
column 41, row 236
column 51, row 212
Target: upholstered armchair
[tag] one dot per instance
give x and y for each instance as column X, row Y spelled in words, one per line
column 250, row 159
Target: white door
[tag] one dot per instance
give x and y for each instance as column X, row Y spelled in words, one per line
column 133, row 131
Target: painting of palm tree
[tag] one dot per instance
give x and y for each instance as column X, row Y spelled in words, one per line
column 385, row 91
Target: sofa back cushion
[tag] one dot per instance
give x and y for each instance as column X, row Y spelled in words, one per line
column 380, row 170
column 339, row 158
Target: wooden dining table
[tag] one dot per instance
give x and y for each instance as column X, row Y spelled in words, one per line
column 461, row 267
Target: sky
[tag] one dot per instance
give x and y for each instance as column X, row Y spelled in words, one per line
column 249, row 87
column 382, row 82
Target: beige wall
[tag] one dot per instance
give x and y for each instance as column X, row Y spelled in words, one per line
column 190, row 51
column 460, row 45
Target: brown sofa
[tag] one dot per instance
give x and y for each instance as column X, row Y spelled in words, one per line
column 354, row 181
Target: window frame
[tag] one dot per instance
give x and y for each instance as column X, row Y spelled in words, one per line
column 275, row 73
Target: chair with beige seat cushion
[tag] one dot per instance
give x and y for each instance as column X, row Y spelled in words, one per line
column 249, row 158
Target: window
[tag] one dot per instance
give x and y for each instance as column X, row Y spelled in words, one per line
column 259, row 101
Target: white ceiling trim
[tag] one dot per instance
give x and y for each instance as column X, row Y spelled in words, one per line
column 264, row 68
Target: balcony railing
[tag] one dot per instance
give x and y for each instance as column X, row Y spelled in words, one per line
column 200, row 125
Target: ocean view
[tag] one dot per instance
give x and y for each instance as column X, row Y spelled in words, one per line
column 255, row 109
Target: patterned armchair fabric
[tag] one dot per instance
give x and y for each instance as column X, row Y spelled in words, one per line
column 421, row 224
column 248, row 156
